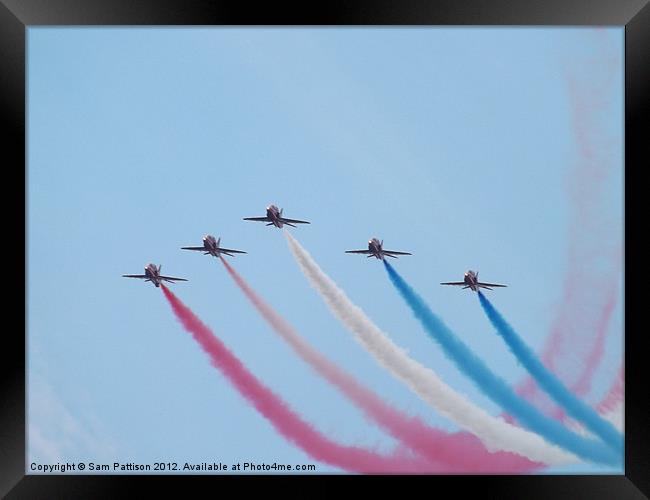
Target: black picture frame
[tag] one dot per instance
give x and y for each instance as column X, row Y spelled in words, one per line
column 18, row 15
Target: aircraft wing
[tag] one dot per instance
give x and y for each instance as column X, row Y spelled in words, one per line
column 389, row 252
column 141, row 276
column 365, row 252
column 169, row 278
column 258, row 219
column 456, row 283
column 293, row 221
column 491, row 284
column 228, row 250
column 198, row 249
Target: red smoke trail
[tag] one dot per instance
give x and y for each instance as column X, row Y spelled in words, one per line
column 582, row 386
column 613, row 396
column 575, row 346
column 285, row 421
column 460, row 452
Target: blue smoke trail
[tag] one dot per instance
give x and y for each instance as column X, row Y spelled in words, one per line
column 549, row 382
column 495, row 387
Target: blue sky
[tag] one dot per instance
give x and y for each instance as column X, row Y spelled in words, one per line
column 453, row 144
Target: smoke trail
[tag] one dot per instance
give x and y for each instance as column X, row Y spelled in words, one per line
column 583, row 384
column 493, row 386
column 273, row 408
column 615, row 416
column 494, row 432
column 614, row 396
column 549, row 382
column 574, row 347
column 610, row 406
column 451, row 453
column 554, row 355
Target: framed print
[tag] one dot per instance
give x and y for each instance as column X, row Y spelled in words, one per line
column 376, row 241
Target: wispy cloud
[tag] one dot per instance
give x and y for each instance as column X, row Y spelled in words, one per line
column 56, row 433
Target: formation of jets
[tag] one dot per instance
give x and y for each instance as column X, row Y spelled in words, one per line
column 211, row 246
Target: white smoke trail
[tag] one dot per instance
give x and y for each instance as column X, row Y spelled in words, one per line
column 494, row 432
column 614, row 416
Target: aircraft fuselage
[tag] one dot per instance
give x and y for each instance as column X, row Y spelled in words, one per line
column 374, row 246
column 152, row 273
column 471, row 280
column 210, row 245
column 274, row 214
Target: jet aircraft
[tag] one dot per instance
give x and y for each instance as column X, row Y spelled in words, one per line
column 211, row 247
column 471, row 281
column 152, row 273
column 375, row 249
column 274, row 218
